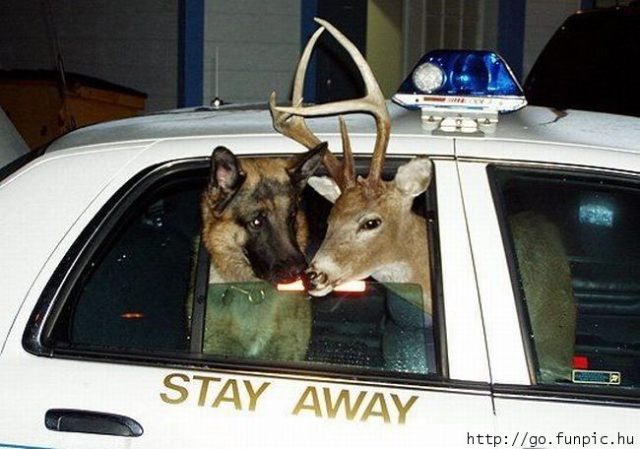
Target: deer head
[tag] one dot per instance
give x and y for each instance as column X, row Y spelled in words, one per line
column 371, row 229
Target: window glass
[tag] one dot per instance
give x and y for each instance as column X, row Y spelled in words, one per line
column 150, row 288
column 576, row 264
column 380, row 328
column 132, row 296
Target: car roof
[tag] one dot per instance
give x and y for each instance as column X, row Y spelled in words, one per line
column 531, row 124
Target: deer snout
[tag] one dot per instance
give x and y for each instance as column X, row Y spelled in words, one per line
column 317, row 282
column 315, row 277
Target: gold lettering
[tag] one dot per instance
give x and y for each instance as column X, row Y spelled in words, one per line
column 343, row 397
column 254, row 395
column 383, row 412
column 232, row 385
column 204, row 387
column 184, row 393
column 403, row 409
column 315, row 403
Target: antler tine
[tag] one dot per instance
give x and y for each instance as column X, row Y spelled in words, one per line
column 301, row 70
column 372, row 103
column 294, row 126
column 348, row 166
column 288, row 124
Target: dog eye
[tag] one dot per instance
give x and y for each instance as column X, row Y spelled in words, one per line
column 370, row 224
column 257, row 222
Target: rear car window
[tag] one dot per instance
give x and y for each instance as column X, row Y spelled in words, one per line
column 147, row 291
column 574, row 250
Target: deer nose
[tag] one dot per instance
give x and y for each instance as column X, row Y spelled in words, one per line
column 316, row 277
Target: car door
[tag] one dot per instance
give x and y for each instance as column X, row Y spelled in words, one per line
column 108, row 349
column 555, row 249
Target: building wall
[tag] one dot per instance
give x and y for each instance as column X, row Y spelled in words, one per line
column 132, row 43
column 135, row 43
column 257, row 44
column 543, row 17
column 431, row 24
column 384, row 43
column 451, row 24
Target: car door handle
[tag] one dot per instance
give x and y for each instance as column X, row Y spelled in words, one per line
column 83, row 421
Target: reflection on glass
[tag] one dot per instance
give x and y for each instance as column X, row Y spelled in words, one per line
column 382, row 328
column 596, row 214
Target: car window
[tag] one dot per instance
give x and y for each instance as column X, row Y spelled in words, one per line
column 131, row 296
column 148, row 289
column 574, row 247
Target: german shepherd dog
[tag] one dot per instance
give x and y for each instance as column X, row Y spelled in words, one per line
column 254, row 231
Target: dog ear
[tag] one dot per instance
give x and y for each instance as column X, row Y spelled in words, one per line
column 225, row 179
column 306, row 165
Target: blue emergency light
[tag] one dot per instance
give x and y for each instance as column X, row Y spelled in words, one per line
column 446, row 82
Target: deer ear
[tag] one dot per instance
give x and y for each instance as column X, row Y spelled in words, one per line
column 225, row 179
column 414, row 178
column 326, row 187
column 306, row 165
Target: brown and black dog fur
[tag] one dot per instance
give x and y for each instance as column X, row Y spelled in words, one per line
column 254, row 231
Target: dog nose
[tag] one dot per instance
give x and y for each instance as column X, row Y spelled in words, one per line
column 289, row 274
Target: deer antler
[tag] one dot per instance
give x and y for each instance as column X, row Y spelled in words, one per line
column 372, row 103
column 294, row 126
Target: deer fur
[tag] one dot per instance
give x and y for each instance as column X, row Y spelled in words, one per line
column 351, row 251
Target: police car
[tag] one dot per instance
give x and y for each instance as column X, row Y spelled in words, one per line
column 533, row 229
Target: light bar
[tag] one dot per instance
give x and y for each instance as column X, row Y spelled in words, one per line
column 346, row 287
column 295, row 286
column 351, row 287
column 461, row 83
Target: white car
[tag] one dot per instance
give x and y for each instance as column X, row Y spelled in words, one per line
column 102, row 306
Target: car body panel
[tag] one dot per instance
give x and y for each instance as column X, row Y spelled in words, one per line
column 276, row 411
column 50, row 194
column 458, row 277
column 489, row 389
column 532, row 124
column 502, row 328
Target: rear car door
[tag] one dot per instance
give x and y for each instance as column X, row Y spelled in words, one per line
column 110, row 347
column 559, row 296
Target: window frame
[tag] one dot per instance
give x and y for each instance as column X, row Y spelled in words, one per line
column 596, row 394
column 59, row 288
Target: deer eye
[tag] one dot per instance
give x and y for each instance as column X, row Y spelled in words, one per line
column 370, row 224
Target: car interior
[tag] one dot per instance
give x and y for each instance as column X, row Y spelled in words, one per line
column 598, row 221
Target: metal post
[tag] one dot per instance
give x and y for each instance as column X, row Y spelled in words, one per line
column 308, row 9
column 511, row 17
column 190, row 52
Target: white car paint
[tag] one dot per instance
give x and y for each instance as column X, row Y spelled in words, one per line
column 54, row 198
